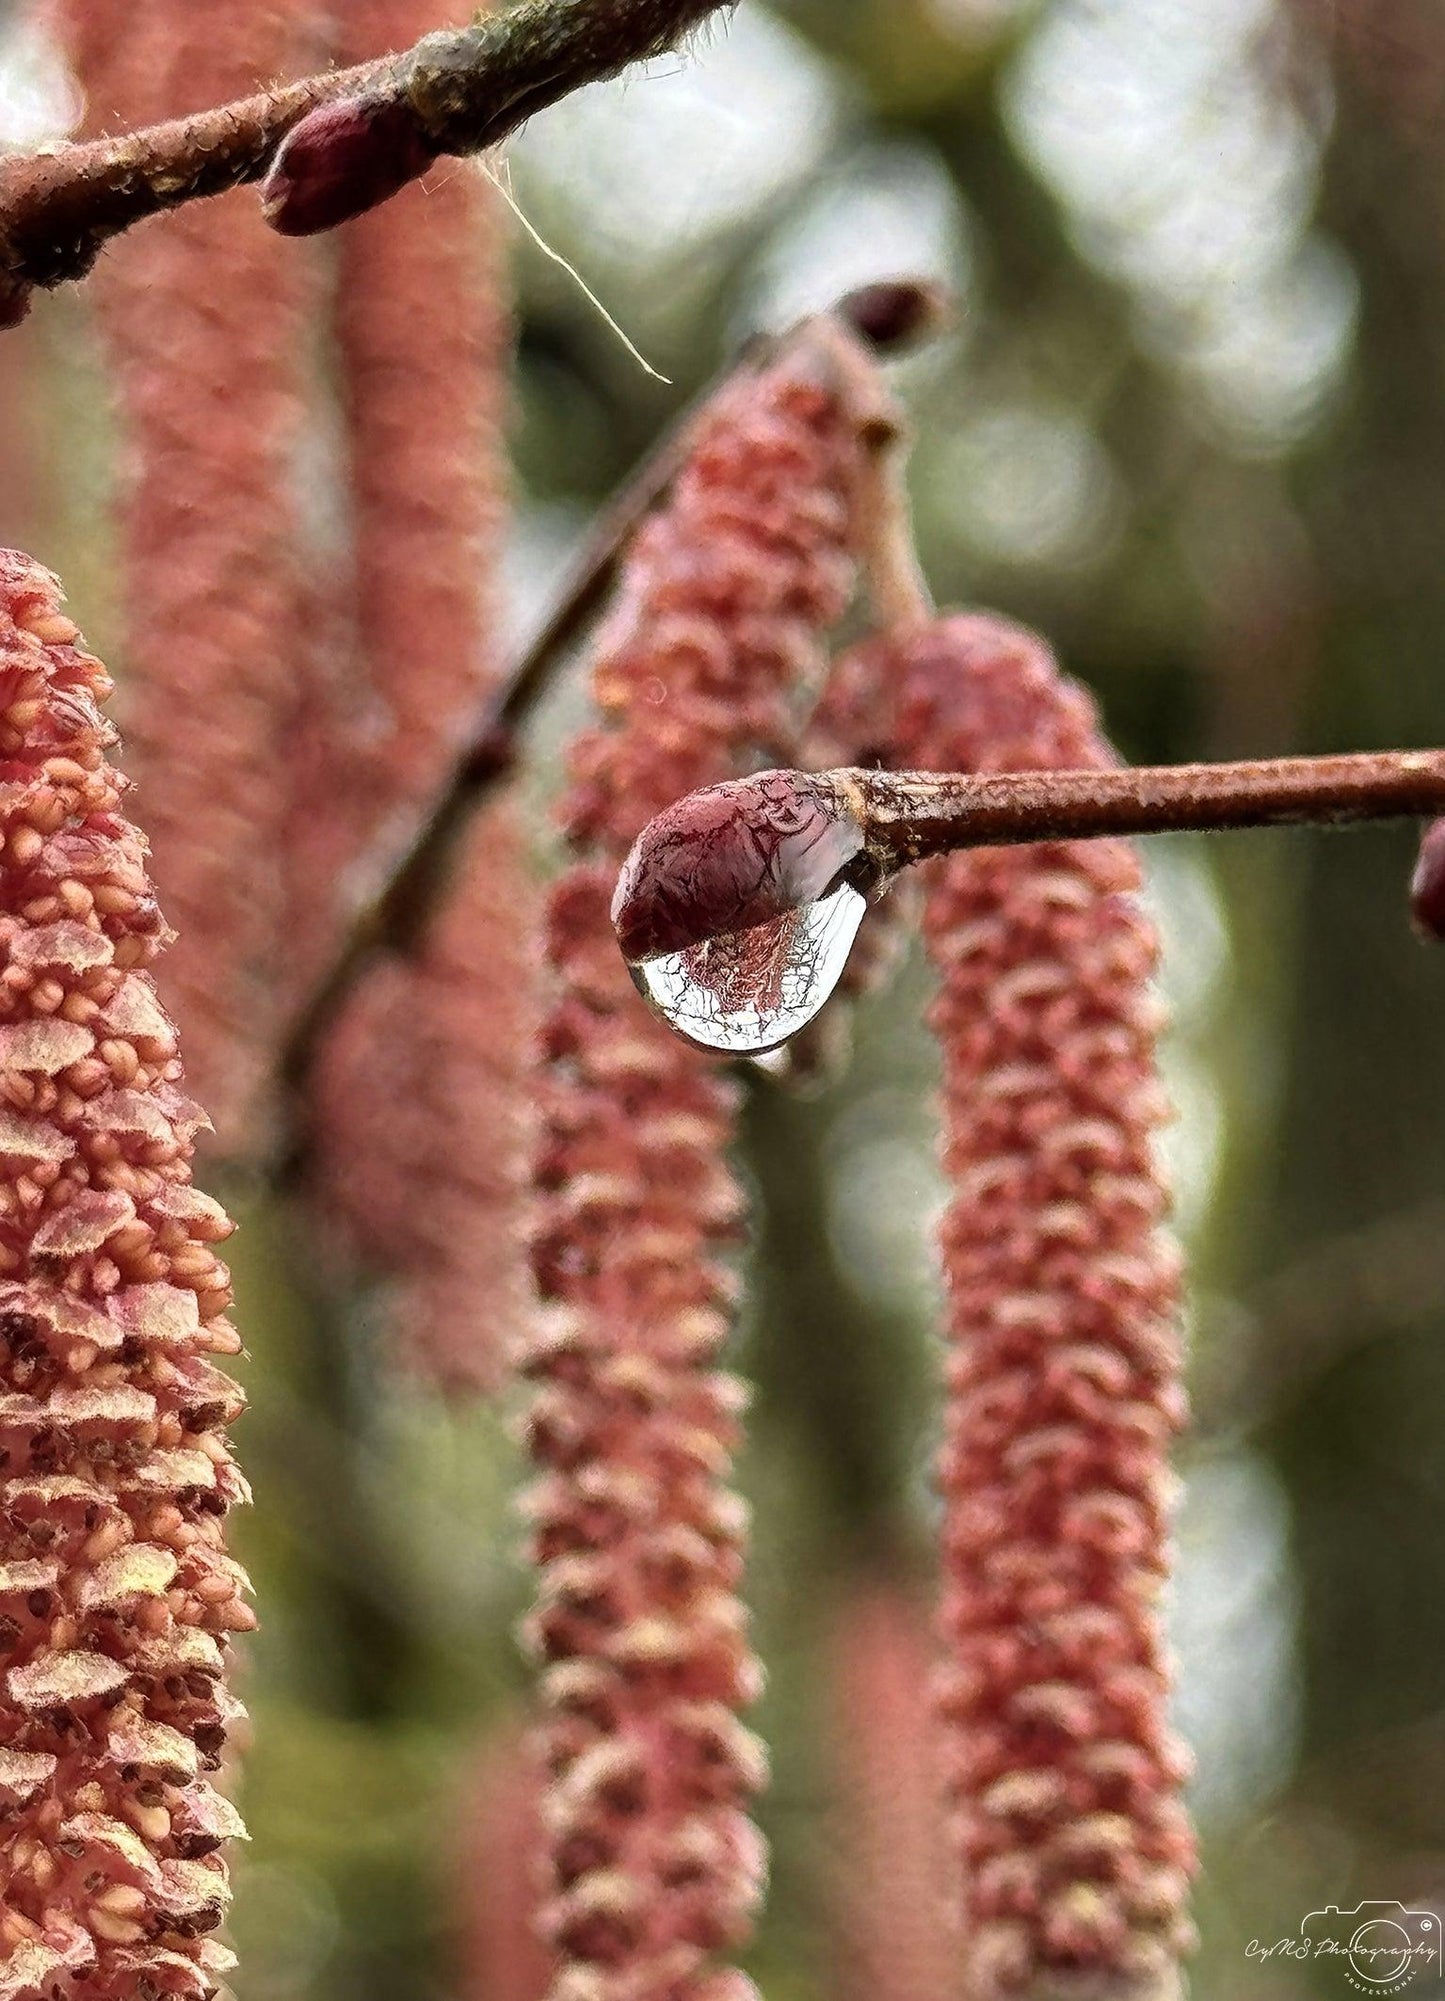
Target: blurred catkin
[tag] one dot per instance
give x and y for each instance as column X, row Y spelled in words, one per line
column 202, row 314
column 892, row 1919
column 116, row 1594
column 422, row 1103
column 714, row 636
column 1064, row 1387
column 500, row 1956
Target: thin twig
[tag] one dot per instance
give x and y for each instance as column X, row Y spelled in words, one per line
column 461, row 91
column 907, row 816
column 748, row 851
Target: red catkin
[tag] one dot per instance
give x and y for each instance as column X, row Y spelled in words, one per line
column 424, row 1099
column 202, row 313
column 1063, row 1375
column 500, row 1957
column 715, row 631
column 423, row 1110
column 892, row 1929
column 116, row 1593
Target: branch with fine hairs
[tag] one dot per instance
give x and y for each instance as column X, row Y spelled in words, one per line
column 457, row 91
column 751, row 850
column 412, row 881
column 907, row 816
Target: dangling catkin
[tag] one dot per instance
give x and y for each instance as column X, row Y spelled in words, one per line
column 892, row 1932
column 422, row 1106
column 202, row 313
column 116, row 1593
column 715, row 634
column 1064, row 1387
column 496, row 1887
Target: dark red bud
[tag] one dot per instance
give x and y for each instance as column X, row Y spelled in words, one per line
column 1427, row 886
column 729, row 857
column 893, row 313
column 341, row 160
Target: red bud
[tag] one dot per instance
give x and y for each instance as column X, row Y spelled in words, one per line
column 893, row 313
column 341, row 160
column 727, row 858
column 1427, row 886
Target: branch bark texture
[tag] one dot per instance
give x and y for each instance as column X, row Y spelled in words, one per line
column 458, row 91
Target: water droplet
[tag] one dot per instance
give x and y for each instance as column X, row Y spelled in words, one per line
column 745, row 992
column 733, row 857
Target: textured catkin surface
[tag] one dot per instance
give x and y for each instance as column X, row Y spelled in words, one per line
column 892, row 1921
column 424, row 1099
column 422, row 330
column 202, row 317
column 713, row 637
column 1063, row 1373
column 116, row 1594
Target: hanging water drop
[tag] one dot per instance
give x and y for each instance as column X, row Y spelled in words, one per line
column 737, row 908
column 745, row 992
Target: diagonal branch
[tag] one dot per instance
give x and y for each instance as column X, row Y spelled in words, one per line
column 410, row 884
column 458, row 91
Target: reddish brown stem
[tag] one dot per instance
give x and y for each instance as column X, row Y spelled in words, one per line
column 909, row 815
column 463, row 89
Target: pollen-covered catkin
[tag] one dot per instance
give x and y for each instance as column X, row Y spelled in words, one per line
column 893, row 1932
column 116, row 1592
column 1064, row 1372
column 202, row 318
column 497, row 1881
column 698, row 670
column 424, row 1095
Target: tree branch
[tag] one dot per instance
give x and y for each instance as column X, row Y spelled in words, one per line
column 908, row 815
column 458, row 91
column 411, row 883
column 747, row 852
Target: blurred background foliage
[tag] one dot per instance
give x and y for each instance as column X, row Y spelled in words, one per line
column 1191, row 422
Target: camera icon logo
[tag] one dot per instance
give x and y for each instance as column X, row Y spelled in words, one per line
column 1381, row 1946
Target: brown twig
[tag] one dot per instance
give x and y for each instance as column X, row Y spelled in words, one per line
column 747, row 852
column 908, row 815
column 459, row 91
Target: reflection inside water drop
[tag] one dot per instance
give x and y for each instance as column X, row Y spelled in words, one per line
column 748, row 991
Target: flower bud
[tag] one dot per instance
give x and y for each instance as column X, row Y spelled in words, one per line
column 340, row 160
column 730, row 857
